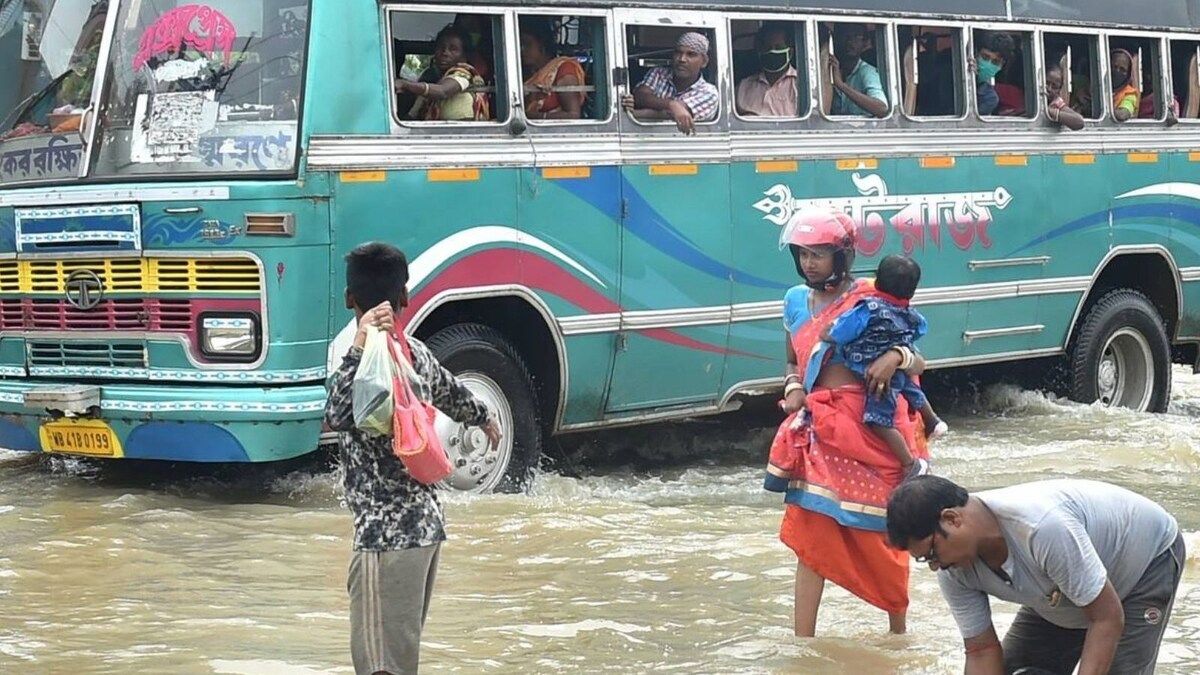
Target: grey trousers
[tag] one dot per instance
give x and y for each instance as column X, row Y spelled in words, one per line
column 389, row 600
column 1032, row 642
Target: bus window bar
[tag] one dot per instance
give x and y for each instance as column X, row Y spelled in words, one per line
column 1007, row 262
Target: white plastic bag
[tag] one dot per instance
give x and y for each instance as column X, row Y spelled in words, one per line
column 373, row 383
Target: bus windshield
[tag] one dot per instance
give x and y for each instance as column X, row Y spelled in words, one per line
column 49, row 50
column 202, row 88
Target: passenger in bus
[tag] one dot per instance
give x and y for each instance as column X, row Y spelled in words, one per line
column 545, row 73
column 773, row 91
column 858, row 90
column 1056, row 108
column 993, row 50
column 678, row 92
column 398, row 523
column 1126, row 97
column 479, row 45
column 836, row 473
column 443, row 90
column 878, row 323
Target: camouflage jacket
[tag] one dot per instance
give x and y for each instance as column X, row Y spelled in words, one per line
column 391, row 510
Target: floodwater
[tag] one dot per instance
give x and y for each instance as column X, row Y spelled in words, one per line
column 664, row 560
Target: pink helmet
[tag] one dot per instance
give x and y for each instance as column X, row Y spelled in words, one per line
column 819, row 227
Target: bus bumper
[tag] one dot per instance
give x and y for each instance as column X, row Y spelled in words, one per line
column 184, row 424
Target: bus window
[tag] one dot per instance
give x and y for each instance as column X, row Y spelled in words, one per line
column 1002, row 65
column 669, row 65
column 1077, row 57
column 930, row 71
column 202, row 89
column 1134, row 76
column 49, row 52
column 854, row 78
column 563, row 64
column 768, row 60
column 1185, row 75
column 446, row 66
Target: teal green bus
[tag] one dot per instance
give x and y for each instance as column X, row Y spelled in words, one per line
column 179, row 184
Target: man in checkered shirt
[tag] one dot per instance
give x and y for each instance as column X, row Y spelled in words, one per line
column 678, row 92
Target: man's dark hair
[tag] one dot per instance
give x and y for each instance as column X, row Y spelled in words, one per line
column 376, row 272
column 898, row 276
column 914, row 510
column 845, row 31
column 997, row 41
column 769, row 28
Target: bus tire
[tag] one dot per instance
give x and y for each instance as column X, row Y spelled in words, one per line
column 1122, row 356
column 488, row 364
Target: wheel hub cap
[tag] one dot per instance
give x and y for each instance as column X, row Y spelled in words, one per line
column 477, row 466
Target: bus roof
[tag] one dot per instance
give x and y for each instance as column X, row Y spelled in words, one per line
column 1171, row 14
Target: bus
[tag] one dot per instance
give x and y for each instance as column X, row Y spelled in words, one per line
column 169, row 170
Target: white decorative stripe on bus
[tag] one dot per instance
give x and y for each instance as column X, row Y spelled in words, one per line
column 1187, row 274
column 608, row 148
column 773, row 310
column 64, row 195
column 164, row 374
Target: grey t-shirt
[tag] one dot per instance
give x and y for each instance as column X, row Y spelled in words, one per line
column 1065, row 537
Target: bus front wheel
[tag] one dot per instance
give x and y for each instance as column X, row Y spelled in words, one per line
column 488, row 364
column 1122, row 357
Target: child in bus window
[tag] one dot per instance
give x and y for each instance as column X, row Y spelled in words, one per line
column 1057, row 109
column 875, row 325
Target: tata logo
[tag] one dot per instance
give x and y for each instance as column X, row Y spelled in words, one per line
column 84, row 289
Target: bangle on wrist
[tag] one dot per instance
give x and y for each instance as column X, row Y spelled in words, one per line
column 425, row 91
column 792, row 377
column 794, row 386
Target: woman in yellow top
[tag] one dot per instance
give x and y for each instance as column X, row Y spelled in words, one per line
column 442, row 91
column 1126, row 97
column 547, row 75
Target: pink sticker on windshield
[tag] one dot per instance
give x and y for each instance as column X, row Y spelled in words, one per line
column 197, row 26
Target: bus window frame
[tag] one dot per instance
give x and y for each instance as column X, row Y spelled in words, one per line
column 704, row 20
column 748, row 122
column 1034, row 67
column 507, row 26
column 925, row 120
column 614, row 101
column 884, row 26
column 1044, row 65
column 1163, row 83
column 1194, row 41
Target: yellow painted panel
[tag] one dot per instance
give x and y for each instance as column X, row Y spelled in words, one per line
column 863, row 163
column 937, row 162
column 452, row 175
column 674, row 170
column 1142, row 158
column 363, row 176
column 1012, row 160
column 561, row 172
column 778, row 166
column 1079, row 159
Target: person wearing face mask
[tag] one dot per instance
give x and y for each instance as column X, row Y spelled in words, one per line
column 993, row 50
column 1126, row 97
column 771, row 92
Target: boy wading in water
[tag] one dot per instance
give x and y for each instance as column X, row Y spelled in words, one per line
column 877, row 324
column 398, row 522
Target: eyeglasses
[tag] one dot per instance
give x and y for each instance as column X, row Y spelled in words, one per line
column 932, row 556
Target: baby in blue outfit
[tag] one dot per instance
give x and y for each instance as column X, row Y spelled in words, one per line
column 875, row 325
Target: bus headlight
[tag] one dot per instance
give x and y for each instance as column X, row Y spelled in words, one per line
column 230, row 337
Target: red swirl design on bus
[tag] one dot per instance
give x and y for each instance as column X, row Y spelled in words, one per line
column 197, row 26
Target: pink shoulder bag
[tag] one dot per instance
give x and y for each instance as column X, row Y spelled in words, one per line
column 415, row 440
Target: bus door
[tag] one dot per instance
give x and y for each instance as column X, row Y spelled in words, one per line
column 569, row 201
column 676, row 253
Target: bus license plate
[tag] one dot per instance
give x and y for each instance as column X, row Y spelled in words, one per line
column 80, row 437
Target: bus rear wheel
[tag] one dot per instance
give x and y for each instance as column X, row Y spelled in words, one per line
column 488, row 364
column 1122, row 357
